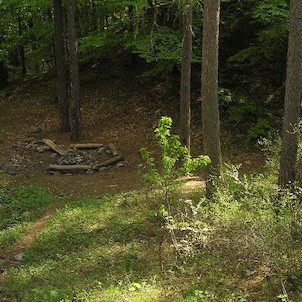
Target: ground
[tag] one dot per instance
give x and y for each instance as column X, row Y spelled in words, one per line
column 122, row 111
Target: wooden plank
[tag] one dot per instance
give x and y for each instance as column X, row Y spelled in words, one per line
column 54, row 146
column 113, row 150
column 86, row 146
column 109, row 162
column 70, row 167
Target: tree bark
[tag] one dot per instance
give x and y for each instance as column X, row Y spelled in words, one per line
column 61, row 67
column 75, row 110
column 185, row 82
column 209, row 91
column 292, row 102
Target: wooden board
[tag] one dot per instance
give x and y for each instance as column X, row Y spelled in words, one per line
column 54, row 146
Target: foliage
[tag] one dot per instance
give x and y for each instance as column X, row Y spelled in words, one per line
column 175, row 159
column 256, row 121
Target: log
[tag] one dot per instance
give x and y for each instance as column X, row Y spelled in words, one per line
column 72, row 146
column 54, row 146
column 70, row 167
column 113, row 150
column 109, row 162
column 86, row 146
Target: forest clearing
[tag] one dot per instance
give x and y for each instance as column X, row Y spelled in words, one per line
column 144, row 159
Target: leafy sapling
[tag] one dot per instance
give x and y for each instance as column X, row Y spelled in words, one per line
column 175, row 160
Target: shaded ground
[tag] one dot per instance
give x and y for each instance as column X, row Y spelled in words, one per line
column 122, row 111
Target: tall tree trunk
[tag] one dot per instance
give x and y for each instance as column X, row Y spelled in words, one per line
column 292, row 102
column 75, row 107
column 61, row 67
column 209, row 91
column 94, row 16
column 185, row 83
column 21, row 50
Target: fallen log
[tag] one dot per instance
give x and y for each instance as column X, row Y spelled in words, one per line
column 109, row 162
column 42, row 149
column 69, row 167
column 113, row 150
column 54, row 146
column 86, row 146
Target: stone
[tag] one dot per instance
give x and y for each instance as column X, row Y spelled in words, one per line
column 103, row 169
column 101, row 150
column 90, row 171
column 108, row 151
column 19, row 257
column 120, row 164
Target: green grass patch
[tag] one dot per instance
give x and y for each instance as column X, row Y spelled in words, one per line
column 19, row 209
column 109, row 249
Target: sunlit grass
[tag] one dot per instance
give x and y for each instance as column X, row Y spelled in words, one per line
column 110, row 249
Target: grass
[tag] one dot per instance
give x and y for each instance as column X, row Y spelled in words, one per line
column 110, row 249
column 19, row 209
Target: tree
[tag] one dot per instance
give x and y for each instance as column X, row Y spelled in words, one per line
column 209, row 91
column 185, row 83
column 75, row 107
column 21, row 50
column 61, row 67
column 292, row 102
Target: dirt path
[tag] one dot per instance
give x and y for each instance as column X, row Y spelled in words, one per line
column 9, row 257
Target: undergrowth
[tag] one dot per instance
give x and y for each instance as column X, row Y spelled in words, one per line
column 164, row 244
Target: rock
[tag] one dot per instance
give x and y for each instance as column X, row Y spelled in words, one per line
column 19, row 257
column 103, row 169
column 90, row 171
column 101, row 150
column 75, row 157
column 108, row 151
column 120, row 164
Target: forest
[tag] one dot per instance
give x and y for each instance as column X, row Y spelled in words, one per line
column 150, row 150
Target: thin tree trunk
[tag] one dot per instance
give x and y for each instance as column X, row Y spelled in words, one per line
column 61, row 67
column 185, row 83
column 75, row 110
column 94, row 16
column 292, row 102
column 21, row 50
column 209, row 91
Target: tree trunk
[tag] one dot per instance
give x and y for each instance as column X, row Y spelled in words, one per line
column 209, row 91
column 21, row 50
column 75, row 110
column 292, row 102
column 61, row 67
column 185, row 83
